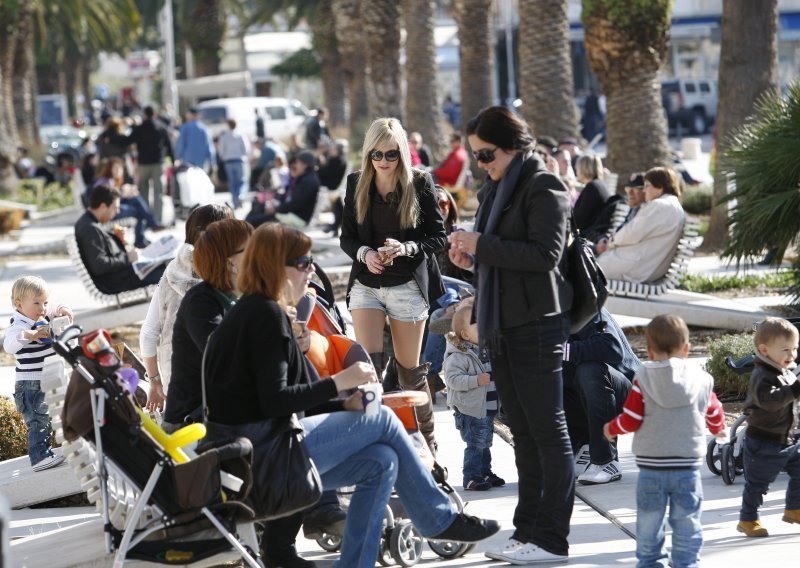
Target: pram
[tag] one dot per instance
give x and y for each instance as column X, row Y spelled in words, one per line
column 182, row 507
column 190, row 187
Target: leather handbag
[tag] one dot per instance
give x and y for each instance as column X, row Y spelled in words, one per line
column 589, row 284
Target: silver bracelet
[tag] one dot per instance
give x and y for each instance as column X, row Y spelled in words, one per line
column 410, row 248
column 361, row 255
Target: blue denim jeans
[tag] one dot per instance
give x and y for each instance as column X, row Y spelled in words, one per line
column 237, row 180
column 763, row 461
column 137, row 208
column 374, row 453
column 526, row 367
column 683, row 491
column 29, row 400
column 477, row 434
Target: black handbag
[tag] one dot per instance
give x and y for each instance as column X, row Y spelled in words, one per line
column 589, row 284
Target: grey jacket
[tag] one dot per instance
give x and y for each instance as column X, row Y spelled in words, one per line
column 461, row 369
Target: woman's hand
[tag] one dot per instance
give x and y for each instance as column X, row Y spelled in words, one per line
column 464, row 241
column 397, row 248
column 460, row 259
column 355, row 375
column 373, row 262
column 353, row 402
column 155, row 397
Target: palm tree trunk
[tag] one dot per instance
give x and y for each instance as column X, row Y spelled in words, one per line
column 205, row 34
column 333, row 84
column 748, row 68
column 25, row 108
column 422, row 99
column 8, row 123
column 545, row 68
column 349, row 35
column 381, row 27
column 475, row 49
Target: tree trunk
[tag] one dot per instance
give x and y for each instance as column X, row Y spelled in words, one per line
column 25, row 108
column 748, row 68
column 333, row 84
column 545, row 68
column 205, row 34
column 381, row 27
column 422, row 99
column 8, row 123
column 626, row 45
column 350, row 36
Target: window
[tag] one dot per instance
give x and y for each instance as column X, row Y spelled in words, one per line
column 691, row 88
column 705, row 88
column 276, row 112
column 214, row 115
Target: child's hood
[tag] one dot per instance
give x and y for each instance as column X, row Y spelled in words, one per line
column 179, row 273
column 670, row 383
column 457, row 345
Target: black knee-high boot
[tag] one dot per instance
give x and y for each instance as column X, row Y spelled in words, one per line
column 389, row 380
column 417, row 379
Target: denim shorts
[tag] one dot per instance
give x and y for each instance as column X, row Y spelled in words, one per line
column 403, row 303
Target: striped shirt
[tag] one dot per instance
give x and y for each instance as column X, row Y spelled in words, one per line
column 30, row 355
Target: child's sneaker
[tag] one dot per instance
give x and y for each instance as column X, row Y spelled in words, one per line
column 752, row 528
column 478, row 485
column 48, row 462
column 495, row 479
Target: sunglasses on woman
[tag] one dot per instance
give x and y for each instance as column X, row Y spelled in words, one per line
column 485, row 155
column 390, row 155
column 301, row 263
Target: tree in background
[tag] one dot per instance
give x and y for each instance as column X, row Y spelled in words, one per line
column 352, row 48
column 626, row 43
column 748, row 69
column 545, row 68
column 380, row 28
column 205, row 31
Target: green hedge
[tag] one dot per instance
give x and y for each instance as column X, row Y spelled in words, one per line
column 13, row 433
column 697, row 199
column 726, row 382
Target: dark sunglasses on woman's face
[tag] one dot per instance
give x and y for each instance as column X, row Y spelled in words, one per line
column 485, row 155
column 390, row 155
column 301, row 263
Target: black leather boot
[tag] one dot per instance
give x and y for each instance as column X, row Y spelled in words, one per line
column 417, row 379
column 389, row 380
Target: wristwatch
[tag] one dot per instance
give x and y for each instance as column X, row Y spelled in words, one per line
column 154, row 379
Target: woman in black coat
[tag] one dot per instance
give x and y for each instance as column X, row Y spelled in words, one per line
column 591, row 215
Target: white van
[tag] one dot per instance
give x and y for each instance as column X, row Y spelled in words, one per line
column 282, row 117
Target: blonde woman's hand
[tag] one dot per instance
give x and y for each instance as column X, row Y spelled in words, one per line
column 373, row 262
column 397, row 248
column 355, row 375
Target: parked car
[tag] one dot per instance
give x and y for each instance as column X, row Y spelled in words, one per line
column 690, row 103
column 63, row 139
column 282, row 117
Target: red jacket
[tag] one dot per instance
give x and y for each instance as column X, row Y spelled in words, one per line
column 448, row 172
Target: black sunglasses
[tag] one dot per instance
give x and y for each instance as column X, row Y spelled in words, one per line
column 485, row 155
column 390, row 155
column 301, row 263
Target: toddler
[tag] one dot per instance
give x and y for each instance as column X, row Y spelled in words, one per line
column 28, row 339
column 668, row 407
column 770, row 442
column 472, row 396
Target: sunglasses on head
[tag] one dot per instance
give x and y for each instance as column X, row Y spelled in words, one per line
column 390, row 155
column 301, row 263
column 485, row 155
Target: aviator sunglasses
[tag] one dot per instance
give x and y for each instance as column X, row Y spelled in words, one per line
column 390, row 155
column 301, row 263
column 485, row 155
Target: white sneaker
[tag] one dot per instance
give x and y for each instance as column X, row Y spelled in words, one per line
column 48, row 462
column 521, row 553
column 597, row 474
column 582, row 459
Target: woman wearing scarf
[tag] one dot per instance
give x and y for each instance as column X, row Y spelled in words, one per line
column 522, row 305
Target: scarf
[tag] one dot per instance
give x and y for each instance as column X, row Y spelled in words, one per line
column 497, row 195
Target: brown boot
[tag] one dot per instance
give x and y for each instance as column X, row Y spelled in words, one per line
column 791, row 516
column 379, row 362
column 417, row 379
column 752, row 528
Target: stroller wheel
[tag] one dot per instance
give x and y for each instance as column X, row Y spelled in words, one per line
column 447, row 549
column 330, row 542
column 384, row 554
column 405, row 543
column 728, row 464
column 714, row 457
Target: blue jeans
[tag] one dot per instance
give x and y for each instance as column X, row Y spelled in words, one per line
column 29, row 400
column 374, row 453
column 683, row 490
column 763, row 461
column 237, row 179
column 526, row 367
column 137, row 208
column 477, row 434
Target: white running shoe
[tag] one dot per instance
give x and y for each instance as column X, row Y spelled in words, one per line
column 48, row 462
column 598, row 474
column 582, row 459
column 521, row 554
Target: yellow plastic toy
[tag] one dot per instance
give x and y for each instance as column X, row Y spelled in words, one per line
column 174, row 443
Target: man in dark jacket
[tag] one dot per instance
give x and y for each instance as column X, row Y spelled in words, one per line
column 297, row 204
column 599, row 366
column 103, row 252
column 152, row 144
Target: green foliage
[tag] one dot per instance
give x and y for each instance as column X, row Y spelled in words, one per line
column 762, row 162
column 726, row 382
column 47, row 197
column 13, row 433
column 704, row 284
column 302, row 63
column 643, row 20
column 697, row 199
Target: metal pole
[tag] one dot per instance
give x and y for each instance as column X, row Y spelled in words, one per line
column 512, row 85
column 170, row 94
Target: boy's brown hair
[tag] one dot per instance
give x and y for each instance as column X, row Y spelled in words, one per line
column 667, row 334
column 773, row 328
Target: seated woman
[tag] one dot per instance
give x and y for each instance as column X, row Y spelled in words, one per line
column 295, row 207
column 255, row 371
column 590, row 211
column 642, row 250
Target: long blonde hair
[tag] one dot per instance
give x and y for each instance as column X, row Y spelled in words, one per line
column 380, row 131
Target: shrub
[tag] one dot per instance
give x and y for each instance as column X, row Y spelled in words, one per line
column 13, row 433
column 726, row 382
column 697, row 199
column 45, row 197
column 704, row 284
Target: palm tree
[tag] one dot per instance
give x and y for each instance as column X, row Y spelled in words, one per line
column 24, row 79
column 351, row 39
column 626, row 43
column 422, row 100
column 381, row 27
column 545, row 68
column 9, row 13
column 748, row 68
column 206, row 29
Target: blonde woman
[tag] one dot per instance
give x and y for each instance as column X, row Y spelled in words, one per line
column 391, row 206
column 590, row 213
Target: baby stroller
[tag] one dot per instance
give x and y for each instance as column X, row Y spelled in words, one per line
column 190, row 188
column 180, row 507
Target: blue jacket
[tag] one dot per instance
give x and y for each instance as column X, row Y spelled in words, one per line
column 601, row 340
column 194, row 144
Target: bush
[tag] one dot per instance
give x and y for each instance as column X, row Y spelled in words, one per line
column 697, row 199
column 705, row 284
column 13, row 433
column 726, row 382
column 45, row 197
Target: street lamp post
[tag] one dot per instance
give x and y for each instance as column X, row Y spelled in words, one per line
column 170, row 93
